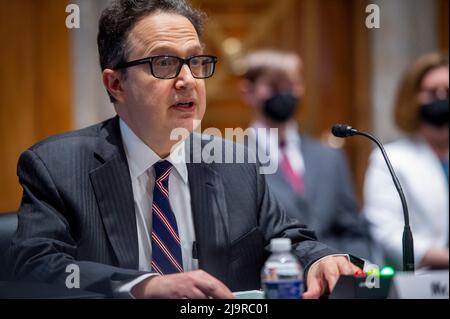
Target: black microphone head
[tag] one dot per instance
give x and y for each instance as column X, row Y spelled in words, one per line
column 343, row 130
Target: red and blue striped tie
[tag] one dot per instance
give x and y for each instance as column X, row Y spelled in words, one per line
column 166, row 248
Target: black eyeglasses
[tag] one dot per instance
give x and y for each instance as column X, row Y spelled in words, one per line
column 168, row 67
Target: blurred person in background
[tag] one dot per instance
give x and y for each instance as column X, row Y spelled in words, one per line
column 421, row 161
column 312, row 181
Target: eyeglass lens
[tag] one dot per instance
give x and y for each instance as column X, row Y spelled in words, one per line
column 169, row 67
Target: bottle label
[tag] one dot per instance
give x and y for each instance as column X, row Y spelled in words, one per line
column 283, row 289
column 277, row 270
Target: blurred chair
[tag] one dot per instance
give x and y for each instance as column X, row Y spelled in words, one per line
column 8, row 226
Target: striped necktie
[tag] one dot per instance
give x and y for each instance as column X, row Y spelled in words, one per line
column 166, row 248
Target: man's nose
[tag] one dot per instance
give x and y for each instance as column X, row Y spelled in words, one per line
column 185, row 79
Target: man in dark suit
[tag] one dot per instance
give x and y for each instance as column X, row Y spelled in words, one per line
column 117, row 201
column 312, row 181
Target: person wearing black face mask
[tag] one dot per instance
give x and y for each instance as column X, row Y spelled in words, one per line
column 422, row 163
column 280, row 107
column 435, row 113
column 313, row 181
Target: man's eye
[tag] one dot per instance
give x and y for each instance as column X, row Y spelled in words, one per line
column 165, row 62
column 195, row 62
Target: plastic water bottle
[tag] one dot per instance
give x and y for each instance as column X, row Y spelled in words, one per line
column 282, row 275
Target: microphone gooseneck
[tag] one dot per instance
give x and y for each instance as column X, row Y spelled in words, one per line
column 343, row 130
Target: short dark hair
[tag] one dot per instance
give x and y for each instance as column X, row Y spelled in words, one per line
column 272, row 62
column 121, row 16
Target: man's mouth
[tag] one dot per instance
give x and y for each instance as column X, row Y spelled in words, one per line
column 184, row 106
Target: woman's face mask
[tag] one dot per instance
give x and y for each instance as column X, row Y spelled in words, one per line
column 435, row 113
column 433, row 97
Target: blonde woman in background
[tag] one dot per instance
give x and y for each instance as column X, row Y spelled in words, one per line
column 421, row 161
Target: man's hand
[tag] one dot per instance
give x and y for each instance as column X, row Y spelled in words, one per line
column 322, row 276
column 192, row 285
column 435, row 257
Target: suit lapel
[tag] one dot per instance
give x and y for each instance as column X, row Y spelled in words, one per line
column 112, row 187
column 311, row 172
column 210, row 219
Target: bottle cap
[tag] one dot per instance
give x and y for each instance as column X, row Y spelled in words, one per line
column 280, row 244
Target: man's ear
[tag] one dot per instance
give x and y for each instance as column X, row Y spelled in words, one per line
column 246, row 92
column 112, row 80
column 299, row 90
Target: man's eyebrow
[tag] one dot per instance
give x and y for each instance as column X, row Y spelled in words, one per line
column 163, row 49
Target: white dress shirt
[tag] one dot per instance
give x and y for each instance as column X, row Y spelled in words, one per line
column 291, row 148
column 141, row 159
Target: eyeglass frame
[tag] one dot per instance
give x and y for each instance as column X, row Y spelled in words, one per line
column 181, row 60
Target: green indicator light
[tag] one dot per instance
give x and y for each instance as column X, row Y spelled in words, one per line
column 387, row 271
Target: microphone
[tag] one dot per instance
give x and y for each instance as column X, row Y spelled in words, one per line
column 343, row 130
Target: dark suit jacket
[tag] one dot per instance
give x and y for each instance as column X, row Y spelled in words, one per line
column 77, row 207
column 328, row 205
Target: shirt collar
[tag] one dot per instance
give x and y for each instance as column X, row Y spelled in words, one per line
column 141, row 157
column 292, row 134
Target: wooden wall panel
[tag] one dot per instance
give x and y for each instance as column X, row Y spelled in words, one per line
column 53, row 69
column 34, row 83
column 330, row 36
column 17, row 87
column 360, row 148
column 443, row 24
